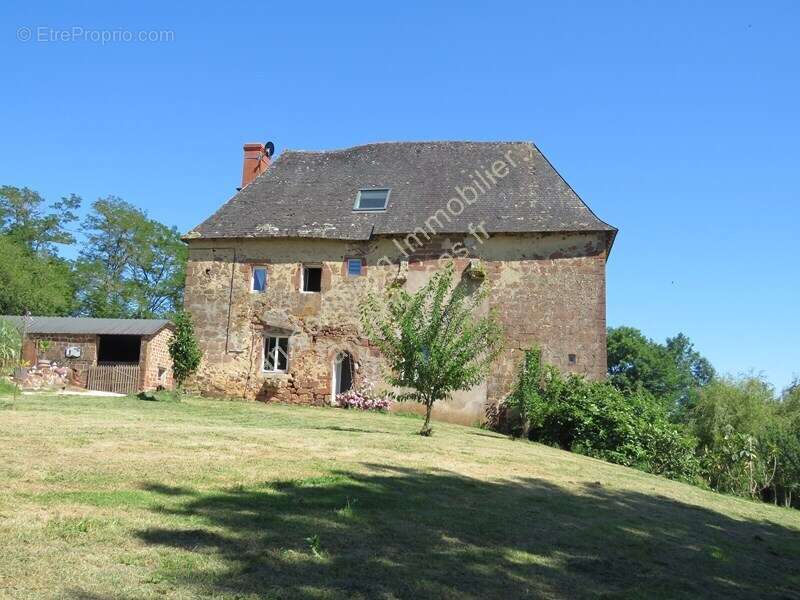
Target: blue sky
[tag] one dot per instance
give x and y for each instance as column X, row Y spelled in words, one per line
column 677, row 122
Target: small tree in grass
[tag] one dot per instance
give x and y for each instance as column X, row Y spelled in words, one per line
column 431, row 340
column 183, row 349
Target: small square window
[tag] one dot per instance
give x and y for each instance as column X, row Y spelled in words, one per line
column 572, row 358
column 372, row 199
column 276, row 354
column 353, row 267
column 312, row 279
column 258, row 282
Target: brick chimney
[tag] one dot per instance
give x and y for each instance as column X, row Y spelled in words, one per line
column 256, row 161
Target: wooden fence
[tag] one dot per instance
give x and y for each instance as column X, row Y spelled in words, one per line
column 122, row 378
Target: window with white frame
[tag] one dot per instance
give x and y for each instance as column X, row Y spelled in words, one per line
column 374, row 199
column 276, row 354
column 353, row 267
column 258, row 280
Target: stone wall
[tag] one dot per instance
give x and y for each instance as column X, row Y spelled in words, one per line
column 549, row 289
column 155, row 363
column 56, row 351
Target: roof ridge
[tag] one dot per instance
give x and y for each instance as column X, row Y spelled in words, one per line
column 83, row 318
column 403, row 143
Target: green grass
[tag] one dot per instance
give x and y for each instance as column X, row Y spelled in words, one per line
column 7, row 388
column 124, row 498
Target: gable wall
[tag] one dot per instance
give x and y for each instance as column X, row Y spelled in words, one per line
column 549, row 289
column 154, row 357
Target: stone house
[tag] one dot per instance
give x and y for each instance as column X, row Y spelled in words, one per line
column 275, row 276
column 91, row 349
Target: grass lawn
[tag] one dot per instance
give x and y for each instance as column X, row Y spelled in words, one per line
column 122, row 498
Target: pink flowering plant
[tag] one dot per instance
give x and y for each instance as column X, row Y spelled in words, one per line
column 363, row 399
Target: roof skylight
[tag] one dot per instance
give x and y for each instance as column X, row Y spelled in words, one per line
column 372, row 199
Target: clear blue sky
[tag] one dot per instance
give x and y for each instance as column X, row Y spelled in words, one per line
column 677, row 122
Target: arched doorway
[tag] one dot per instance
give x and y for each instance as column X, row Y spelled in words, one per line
column 343, row 373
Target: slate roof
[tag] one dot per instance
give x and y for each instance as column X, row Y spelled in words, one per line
column 311, row 194
column 87, row 325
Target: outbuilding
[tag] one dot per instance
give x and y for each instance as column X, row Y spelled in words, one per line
column 115, row 355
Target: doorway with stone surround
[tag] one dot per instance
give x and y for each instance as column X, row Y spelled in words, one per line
column 342, row 374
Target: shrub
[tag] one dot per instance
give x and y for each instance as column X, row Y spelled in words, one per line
column 360, row 401
column 183, row 349
column 598, row 420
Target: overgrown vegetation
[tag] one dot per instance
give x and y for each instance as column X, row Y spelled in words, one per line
column 597, row 419
column 664, row 411
column 749, row 441
column 183, row 349
column 431, row 340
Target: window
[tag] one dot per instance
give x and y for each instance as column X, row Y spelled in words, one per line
column 572, row 358
column 353, row 267
column 276, row 353
column 372, row 199
column 259, row 279
column 312, row 279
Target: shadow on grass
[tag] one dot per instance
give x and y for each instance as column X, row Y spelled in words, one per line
column 347, row 429
column 403, row 533
column 167, row 490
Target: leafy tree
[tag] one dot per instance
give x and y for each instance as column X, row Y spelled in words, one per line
column 728, row 405
column 40, row 283
column 25, row 219
column 32, row 276
column 748, row 441
column 696, row 370
column 183, row 349
column 783, row 438
column 131, row 265
column 790, row 397
column 431, row 340
column 671, row 372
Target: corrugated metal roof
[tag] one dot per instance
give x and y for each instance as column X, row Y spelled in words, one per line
column 88, row 325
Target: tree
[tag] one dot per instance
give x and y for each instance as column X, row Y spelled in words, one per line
column 671, row 372
column 39, row 283
column 430, row 339
column 733, row 421
column 131, row 265
column 32, row 275
column 695, row 370
column 24, row 218
column 183, row 349
column 741, row 405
